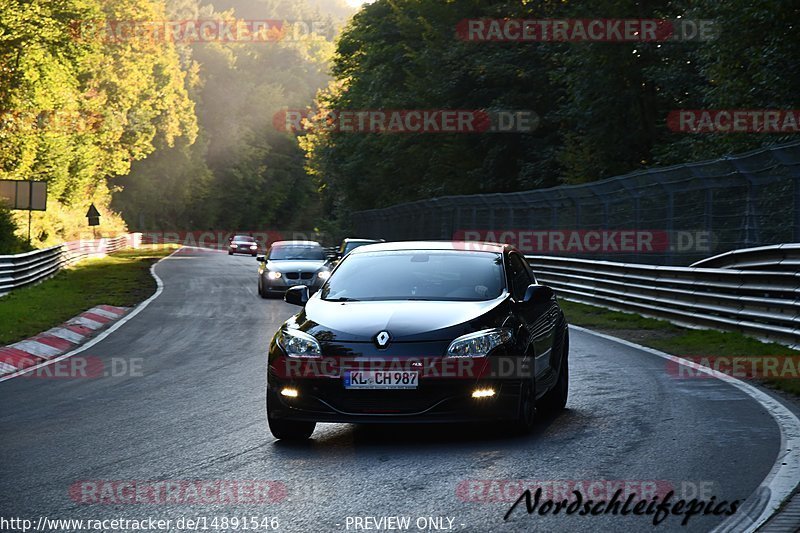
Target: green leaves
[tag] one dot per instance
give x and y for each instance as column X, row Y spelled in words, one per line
column 243, row 173
column 84, row 108
column 603, row 106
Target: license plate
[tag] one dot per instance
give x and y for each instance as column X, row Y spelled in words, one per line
column 380, row 379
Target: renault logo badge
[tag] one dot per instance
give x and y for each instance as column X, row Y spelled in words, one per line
column 382, row 339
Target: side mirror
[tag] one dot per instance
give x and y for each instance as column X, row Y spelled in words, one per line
column 261, row 258
column 297, row 295
column 537, row 295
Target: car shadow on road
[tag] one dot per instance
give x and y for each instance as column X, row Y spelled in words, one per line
column 413, row 437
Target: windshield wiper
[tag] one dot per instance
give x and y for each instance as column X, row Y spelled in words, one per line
column 341, row 299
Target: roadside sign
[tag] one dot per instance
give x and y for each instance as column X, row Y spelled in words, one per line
column 23, row 194
column 93, row 215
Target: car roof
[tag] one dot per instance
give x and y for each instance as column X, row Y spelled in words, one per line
column 463, row 246
column 243, row 236
column 296, row 243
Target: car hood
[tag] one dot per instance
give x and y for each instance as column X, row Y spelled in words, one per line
column 295, row 265
column 406, row 321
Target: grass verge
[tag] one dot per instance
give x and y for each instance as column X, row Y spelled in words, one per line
column 683, row 342
column 122, row 279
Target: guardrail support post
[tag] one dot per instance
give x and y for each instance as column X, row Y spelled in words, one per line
column 797, row 210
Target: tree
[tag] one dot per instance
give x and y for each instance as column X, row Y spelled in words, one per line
column 79, row 108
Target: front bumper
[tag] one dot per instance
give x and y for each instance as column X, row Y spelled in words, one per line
column 325, row 399
column 282, row 283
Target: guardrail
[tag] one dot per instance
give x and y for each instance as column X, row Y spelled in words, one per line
column 24, row 269
column 778, row 257
column 764, row 304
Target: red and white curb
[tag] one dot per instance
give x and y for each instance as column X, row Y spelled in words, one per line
column 58, row 340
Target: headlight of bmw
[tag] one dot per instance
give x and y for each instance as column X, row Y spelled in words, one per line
column 479, row 343
column 299, row 344
column 325, row 274
column 273, row 275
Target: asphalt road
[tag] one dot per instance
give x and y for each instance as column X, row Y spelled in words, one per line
column 195, row 411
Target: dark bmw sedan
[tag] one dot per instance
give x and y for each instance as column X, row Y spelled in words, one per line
column 420, row 332
column 242, row 244
column 291, row 263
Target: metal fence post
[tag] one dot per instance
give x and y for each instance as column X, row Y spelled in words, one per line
column 797, row 209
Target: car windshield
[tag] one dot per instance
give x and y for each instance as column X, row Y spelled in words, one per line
column 312, row 253
column 243, row 238
column 417, row 275
column 350, row 246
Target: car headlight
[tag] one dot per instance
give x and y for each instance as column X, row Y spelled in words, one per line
column 273, row 275
column 299, row 344
column 253, row 246
column 325, row 274
column 479, row 343
column 234, row 246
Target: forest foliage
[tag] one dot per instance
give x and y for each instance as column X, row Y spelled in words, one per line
column 173, row 136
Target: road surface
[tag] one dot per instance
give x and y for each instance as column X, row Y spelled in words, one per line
column 194, row 411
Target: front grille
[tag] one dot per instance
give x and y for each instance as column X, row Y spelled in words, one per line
column 299, row 275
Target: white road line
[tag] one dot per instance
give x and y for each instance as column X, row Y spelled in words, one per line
column 785, row 472
column 138, row 309
column 5, row 368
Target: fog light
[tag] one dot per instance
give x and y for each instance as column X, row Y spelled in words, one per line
column 483, row 393
column 292, row 393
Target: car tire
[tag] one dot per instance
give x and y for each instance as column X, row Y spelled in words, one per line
column 230, row 253
column 265, row 292
column 526, row 415
column 554, row 401
column 289, row 430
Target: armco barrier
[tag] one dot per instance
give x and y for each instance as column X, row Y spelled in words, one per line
column 761, row 303
column 24, row 269
column 784, row 257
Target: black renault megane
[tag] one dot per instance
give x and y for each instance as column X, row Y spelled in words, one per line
column 420, row 332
